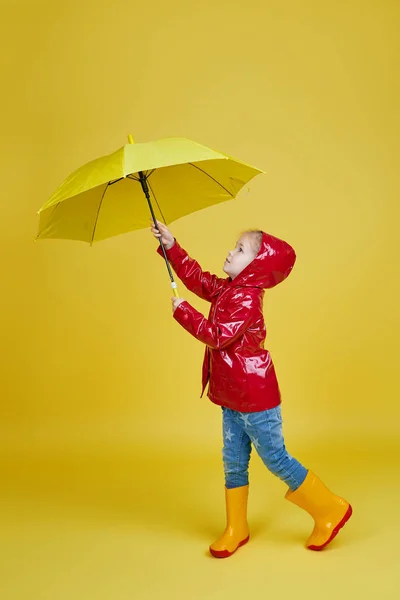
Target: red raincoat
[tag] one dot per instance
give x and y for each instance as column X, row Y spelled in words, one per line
column 240, row 371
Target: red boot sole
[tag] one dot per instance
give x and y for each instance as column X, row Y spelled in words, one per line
column 336, row 530
column 226, row 553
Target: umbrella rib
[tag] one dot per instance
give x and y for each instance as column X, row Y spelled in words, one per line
column 147, row 174
column 217, row 182
column 98, row 212
column 52, row 214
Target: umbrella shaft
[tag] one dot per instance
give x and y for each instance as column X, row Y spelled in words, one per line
column 145, row 189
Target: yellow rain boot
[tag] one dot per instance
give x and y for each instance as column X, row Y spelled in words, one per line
column 330, row 512
column 236, row 533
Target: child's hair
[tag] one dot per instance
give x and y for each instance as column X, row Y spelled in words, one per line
column 255, row 237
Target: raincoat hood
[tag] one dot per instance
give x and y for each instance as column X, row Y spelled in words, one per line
column 273, row 264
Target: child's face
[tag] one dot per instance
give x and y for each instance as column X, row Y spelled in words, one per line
column 240, row 257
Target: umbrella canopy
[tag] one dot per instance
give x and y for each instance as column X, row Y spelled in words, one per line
column 104, row 197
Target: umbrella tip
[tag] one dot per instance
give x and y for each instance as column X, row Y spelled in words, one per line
column 130, row 139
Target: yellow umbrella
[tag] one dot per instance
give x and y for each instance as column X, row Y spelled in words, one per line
column 104, row 197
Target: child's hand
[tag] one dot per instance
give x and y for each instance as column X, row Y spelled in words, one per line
column 175, row 303
column 167, row 238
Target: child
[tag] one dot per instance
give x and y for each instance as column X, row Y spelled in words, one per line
column 242, row 380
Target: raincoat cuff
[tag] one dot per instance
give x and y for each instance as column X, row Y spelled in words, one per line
column 171, row 252
column 181, row 313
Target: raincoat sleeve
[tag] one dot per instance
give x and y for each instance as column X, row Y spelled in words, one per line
column 221, row 334
column 200, row 282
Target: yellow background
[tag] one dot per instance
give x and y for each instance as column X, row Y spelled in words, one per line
column 111, row 469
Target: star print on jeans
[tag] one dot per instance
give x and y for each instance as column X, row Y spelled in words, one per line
column 256, row 443
column 229, row 435
column 245, row 419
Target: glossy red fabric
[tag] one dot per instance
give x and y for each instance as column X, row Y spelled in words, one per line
column 239, row 369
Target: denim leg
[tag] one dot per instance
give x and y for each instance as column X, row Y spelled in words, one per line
column 236, row 451
column 265, row 431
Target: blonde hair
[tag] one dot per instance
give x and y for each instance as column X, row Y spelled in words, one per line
column 255, row 237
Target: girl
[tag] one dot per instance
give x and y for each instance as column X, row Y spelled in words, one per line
column 242, row 380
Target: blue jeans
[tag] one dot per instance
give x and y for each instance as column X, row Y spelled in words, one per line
column 264, row 430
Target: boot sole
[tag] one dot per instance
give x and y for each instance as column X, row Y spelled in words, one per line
column 336, row 530
column 226, row 553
